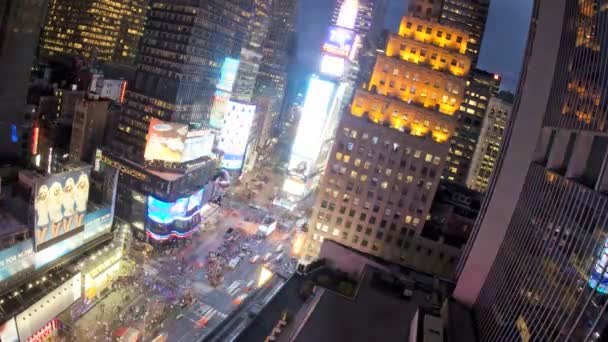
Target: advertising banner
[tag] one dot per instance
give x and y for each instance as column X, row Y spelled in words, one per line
column 228, row 74
column 60, row 206
column 219, row 109
column 339, row 41
column 165, row 141
column 8, row 331
column 16, row 258
column 235, row 134
column 198, row 144
column 599, row 275
column 97, row 223
column 168, row 212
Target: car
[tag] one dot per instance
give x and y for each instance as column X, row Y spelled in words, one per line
column 279, row 257
column 180, row 316
column 279, row 249
column 267, row 257
column 254, row 259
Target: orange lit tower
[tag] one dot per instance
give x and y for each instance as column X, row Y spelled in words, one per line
column 389, row 153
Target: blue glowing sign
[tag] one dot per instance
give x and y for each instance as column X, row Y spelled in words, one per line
column 14, row 136
column 339, row 41
column 228, row 74
column 168, row 212
column 97, row 223
column 16, row 258
column 599, row 274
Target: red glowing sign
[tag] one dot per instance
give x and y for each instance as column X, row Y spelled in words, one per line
column 123, row 91
column 35, row 135
column 44, row 332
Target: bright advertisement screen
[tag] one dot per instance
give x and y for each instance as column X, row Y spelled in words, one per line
column 228, row 74
column 60, row 206
column 309, row 136
column 219, row 109
column 198, row 144
column 235, row 134
column 339, row 41
column 8, row 331
column 169, row 212
column 15, row 259
column 166, row 141
column 332, row 65
column 599, row 274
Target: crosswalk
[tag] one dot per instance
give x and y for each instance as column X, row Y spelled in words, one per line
column 233, row 288
column 204, row 312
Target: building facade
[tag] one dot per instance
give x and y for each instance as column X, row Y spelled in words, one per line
column 391, row 148
column 535, row 268
column 490, row 141
column 88, row 128
column 481, row 87
column 160, row 142
column 105, row 30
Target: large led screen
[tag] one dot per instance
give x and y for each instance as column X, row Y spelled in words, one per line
column 166, row 141
column 309, row 136
column 169, row 212
column 228, row 74
column 599, row 274
column 339, row 41
column 235, row 134
column 219, row 109
column 16, row 258
column 60, row 206
column 198, row 144
column 332, row 65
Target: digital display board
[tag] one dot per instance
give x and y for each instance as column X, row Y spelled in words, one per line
column 166, row 141
column 60, row 206
column 230, row 67
column 339, row 41
column 169, row 212
column 332, row 65
column 219, row 109
column 235, row 134
column 313, row 121
column 198, row 144
column 16, row 258
column 98, row 223
column 599, row 274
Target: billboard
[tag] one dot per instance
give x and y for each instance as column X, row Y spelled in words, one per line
column 235, row 134
column 165, row 141
column 98, row 223
column 8, row 331
column 60, row 206
column 339, row 41
column 599, row 273
column 168, row 212
column 309, row 135
column 228, row 74
column 219, row 109
column 16, row 258
column 332, row 65
column 198, row 144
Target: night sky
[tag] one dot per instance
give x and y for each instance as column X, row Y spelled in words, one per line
column 501, row 52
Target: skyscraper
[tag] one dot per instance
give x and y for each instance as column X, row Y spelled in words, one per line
column 160, row 142
column 535, row 269
column 20, row 24
column 107, row 30
column 390, row 150
column 481, row 86
column 490, row 141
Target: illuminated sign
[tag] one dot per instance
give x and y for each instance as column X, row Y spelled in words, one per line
column 35, row 136
column 219, row 109
column 332, row 65
column 166, row 141
column 60, row 206
column 235, row 134
column 198, row 144
column 123, row 91
column 16, row 258
column 44, row 332
column 313, row 121
column 348, row 14
column 98, row 223
column 339, row 42
column 355, row 49
column 168, row 212
column 228, row 74
column 8, row 331
column 123, row 168
column 599, row 274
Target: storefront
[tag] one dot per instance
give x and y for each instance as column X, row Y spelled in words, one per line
column 102, row 274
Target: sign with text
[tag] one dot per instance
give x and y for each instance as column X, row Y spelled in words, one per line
column 339, row 41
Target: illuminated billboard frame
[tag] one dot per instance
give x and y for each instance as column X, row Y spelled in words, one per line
column 60, row 206
column 340, row 41
column 235, row 134
column 312, row 126
column 230, row 67
column 165, row 141
column 198, row 144
column 168, row 212
column 219, row 109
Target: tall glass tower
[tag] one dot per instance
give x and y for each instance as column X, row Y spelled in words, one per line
column 535, row 268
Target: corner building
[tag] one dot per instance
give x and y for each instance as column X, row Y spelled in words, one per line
column 390, row 149
column 536, row 267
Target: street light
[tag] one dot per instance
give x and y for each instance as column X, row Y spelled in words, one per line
column 264, row 277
